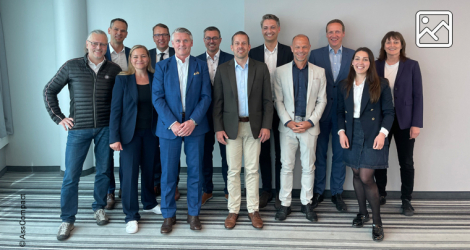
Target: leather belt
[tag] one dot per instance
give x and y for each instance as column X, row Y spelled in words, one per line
column 243, row 119
column 183, row 115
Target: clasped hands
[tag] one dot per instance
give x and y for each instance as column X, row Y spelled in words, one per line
column 299, row 127
column 183, row 129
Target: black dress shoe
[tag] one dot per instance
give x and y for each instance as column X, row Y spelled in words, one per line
column 359, row 220
column 264, row 198
column 167, row 225
column 337, row 199
column 282, row 213
column 309, row 213
column 194, row 222
column 316, row 199
column 408, row 210
column 377, row 233
column 383, row 200
column 277, row 202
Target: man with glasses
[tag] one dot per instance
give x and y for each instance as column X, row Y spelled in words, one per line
column 91, row 81
column 214, row 57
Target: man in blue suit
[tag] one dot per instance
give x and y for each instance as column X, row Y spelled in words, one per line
column 336, row 61
column 117, row 53
column 214, row 57
column 181, row 94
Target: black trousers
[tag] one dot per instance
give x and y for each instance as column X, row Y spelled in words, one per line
column 405, row 148
column 265, row 158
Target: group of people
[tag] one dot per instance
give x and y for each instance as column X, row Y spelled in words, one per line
column 145, row 104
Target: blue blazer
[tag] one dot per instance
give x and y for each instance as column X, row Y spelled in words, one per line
column 124, row 103
column 373, row 115
column 166, row 96
column 321, row 58
column 153, row 54
column 126, row 50
column 224, row 57
column 284, row 54
column 408, row 93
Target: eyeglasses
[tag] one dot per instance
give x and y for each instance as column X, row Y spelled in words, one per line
column 161, row 35
column 208, row 39
column 95, row 44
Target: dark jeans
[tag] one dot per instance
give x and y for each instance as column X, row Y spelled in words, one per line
column 78, row 143
column 405, row 148
column 265, row 158
column 141, row 150
column 112, row 182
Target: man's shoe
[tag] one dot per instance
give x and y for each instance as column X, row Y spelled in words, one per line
column 340, row 205
column 132, row 227
column 264, row 198
column 157, row 209
column 110, row 202
column 194, row 222
column 206, row 197
column 226, row 197
column 101, row 217
column 255, row 219
column 64, row 231
column 408, row 210
column 282, row 213
column 316, row 199
column 309, row 213
column 277, row 202
column 157, row 190
column 382, row 200
column 177, row 194
column 377, row 233
column 231, row 220
column 167, row 225
column 359, row 220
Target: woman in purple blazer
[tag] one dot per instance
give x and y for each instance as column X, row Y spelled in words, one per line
column 404, row 77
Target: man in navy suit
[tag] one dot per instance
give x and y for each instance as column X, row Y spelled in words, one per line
column 181, row 94
column 117, row 53
column 274, row 54
column 336, row 61
column 214, row 57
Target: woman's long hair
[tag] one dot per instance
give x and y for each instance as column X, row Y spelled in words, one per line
column 130, row 67
column 371, row 77
column 397, row 36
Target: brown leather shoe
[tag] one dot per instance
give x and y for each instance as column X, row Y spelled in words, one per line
column 110, row 202
column 206, row 197
column 177, row 194
column 157, row 190
column 167, row 225
column 226, row 197
column 194, row 222
column 255, row 219
column 231, row 220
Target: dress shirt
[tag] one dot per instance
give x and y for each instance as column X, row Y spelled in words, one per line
column 300, row 80
column 242, row 88
column 270, row 58
column 183, row 77
column 391, row 74
column 95, row 67
column 166, row 54
column 335, row 60
column 119, row 57
column 212, row 64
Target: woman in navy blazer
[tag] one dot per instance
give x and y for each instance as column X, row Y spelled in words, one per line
column 132, row 131
column 407, row 88
column 365, row 115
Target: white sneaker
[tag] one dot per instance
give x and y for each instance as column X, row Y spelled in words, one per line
column 156, row 210
column 132, row 227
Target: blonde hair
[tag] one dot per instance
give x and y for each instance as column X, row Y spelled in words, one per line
column 130, row 67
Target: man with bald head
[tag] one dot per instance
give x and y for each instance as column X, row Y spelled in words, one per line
column 91, row 81
column 299, row 99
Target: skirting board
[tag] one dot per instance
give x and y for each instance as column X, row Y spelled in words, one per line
column 295, row 193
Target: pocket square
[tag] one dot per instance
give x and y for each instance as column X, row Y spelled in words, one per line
column 197, row 73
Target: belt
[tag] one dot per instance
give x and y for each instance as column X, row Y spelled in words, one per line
column 243, row 119
column 183, row 114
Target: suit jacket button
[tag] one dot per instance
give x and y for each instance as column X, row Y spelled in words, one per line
column 373, row 118
column 345, row 111
column 345, row 121
column 371, row 109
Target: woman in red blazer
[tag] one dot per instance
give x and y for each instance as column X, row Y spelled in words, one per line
column 405, row 81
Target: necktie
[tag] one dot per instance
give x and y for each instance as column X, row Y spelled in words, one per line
column 161, row 56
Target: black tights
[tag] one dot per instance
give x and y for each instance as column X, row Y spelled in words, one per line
column 365, row 187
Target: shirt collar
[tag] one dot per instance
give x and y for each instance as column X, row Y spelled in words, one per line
column 167, row 51
column 186, row 60
column 360, row 85
column 111, row 49
column 340, row 50
column 96, row 65
column 215, row 57
column 295, row 65
column 274, row 50
column 238, row 65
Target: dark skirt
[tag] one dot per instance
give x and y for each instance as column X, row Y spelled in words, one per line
column 359, row 155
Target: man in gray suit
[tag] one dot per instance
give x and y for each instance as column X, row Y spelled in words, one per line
column 300, row 98
column 243, row 111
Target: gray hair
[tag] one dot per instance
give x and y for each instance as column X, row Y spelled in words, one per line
column 182, row 30
column 98, row 32
column 300, row 35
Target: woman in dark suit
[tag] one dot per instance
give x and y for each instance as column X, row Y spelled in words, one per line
column 365, row 115
column 407, row 89
column 132, row 131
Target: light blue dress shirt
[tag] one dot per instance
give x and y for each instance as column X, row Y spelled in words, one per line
column 335, row 60
column 242, row 88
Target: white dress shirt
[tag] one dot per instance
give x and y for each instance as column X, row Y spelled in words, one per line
column 391, row 74
column 212, row 65
column 166, row 54
column 270, row 58
column 119, row 57
column 183, row 77
column 95, row 67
